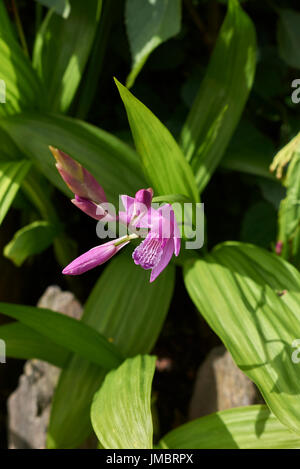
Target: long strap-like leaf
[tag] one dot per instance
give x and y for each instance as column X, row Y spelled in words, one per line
column 222, row 95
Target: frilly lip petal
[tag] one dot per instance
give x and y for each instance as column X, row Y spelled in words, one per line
column 164, row 261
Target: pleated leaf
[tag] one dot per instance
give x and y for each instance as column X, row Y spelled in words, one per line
column 148, row 25
column 164, row 164
column 66, row 332
column 130, row 312
column 251, row 299
column 12, row 174
column 20, row 85
column 23, row 342
column 61, row 7
column 121, row 409
column 250, row 427
column 114, row 164
column 29, row 240
column 62, row 48
column 222, row 95
column 289, row 212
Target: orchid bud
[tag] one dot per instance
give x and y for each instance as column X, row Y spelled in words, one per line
column 77, row 178
column 144, row 196
column 95, row 256
column 90, row 208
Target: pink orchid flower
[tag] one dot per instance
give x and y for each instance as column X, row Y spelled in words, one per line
column 162, row 234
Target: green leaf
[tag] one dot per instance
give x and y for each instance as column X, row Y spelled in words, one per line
column 19, row 83
column 8, row 149
column 25, row 343
column 252, row 427
column 249, row 151
column 61, row 7
column 172, row 198
column 29, row 240
column 61, row 51
column 12, row 174
column 251, row 299
column 164, row 164
column 66, row 332
column 6, row 29
column 90, row 82
column 222, row 95
column 288, row 36
column 114, row 164
column 131, row 314
column 149, row 24
column 121, row 410
column 289, row 212
column 263, row 215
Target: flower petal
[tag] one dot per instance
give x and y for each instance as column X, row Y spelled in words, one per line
column 90, row 208
column 144, row 197
column 148, row 253
column 164, row 225
column 165, row 259
column 77, row 178
column 94, row 257
column 90, row 259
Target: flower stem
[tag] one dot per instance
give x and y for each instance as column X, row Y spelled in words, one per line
column 20, row 27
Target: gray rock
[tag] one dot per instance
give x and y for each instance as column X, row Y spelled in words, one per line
column 30, row 404
column 61, row 301
column 220, row 385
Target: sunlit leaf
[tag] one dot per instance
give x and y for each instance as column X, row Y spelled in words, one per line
column 252, row 427
column 121, row 410
column 62, row 48
column 23, row 342
column 22, row 88
column 164, row 164
column 12, row 174
column 29, row 240
column 66, row 332
column 289, row 212
column 149, row 23
column 130, row 312
column 251, row 299
column 222, row 95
